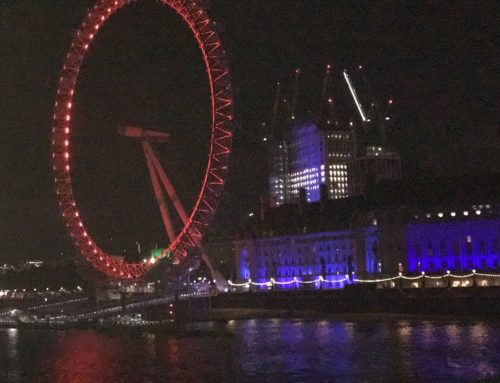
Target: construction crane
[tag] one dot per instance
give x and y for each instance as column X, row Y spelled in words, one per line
column 354, row 96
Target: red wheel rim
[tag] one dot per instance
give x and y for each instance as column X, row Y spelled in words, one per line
column 221, row 127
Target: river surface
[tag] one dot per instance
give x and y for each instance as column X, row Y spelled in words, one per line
column 265, row 350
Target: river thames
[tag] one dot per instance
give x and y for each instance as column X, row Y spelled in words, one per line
column 264, row 350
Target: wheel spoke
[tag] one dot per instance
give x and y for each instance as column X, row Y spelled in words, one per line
column 176, row 201
column 160, row 198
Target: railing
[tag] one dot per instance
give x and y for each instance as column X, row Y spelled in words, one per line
column 452, row 280
column 321, row 282
column 294, row 283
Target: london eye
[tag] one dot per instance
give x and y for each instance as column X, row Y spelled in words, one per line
column 194, row 221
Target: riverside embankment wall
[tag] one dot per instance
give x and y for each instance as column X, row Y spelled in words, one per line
column 471, row 301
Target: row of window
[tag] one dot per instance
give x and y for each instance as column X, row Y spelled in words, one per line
column 443, row 266
column 306, row 249
column 313, row 240
column 296, row 272
column 442, row 249
column 331, row 258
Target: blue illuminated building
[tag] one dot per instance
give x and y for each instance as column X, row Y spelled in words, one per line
column 427, row 225
column 370, row 247
column 307, row 157
column 319, row 156
column 456, row 245
column 307, row 165
column 331, row 255
column 305, row 242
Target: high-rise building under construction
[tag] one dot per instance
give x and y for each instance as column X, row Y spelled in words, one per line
column 332, row 152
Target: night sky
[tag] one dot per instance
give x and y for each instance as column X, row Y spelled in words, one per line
column 438, row 60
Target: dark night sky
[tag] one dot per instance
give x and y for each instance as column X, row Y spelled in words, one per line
column 439, row 61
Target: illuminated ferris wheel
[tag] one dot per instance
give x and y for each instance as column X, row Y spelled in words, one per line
column 194, row 222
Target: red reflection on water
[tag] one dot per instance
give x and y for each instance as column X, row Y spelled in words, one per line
column 173, row 351
column 84, row 357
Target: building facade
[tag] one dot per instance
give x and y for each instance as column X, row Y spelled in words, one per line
column 307, row 165
column 309, row 157
column 340, row 150
column 460, row 243
column 303, row 257
column 435, row 243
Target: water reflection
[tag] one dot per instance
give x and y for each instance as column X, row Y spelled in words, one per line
column 404, row 331
column 12, row 375
column 12, row 334
column 479, row 334
column 84, row 356
column 454, row 336
column 427, row 332
column 260, row 351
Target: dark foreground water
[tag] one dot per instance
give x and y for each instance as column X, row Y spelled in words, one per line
column 260, row 351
